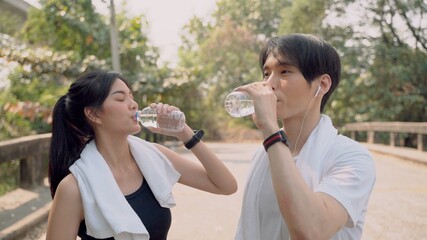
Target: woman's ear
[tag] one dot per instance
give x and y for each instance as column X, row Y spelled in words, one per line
column 92, row 115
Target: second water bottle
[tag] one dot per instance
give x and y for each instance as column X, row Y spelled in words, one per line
column 239, row 104
column 148, row 117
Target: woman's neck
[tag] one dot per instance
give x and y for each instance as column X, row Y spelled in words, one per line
column 115, row 150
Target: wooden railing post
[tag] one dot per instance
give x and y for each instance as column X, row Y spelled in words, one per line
column 31, row 171
column 392, row 139
column 353, row 135
column 420, row 144
column 371, row 137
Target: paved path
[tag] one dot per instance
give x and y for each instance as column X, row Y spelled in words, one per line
column 200, row 215
column 397, row 210
column 398, row 205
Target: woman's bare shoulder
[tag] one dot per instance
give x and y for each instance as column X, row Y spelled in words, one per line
column 68, row 188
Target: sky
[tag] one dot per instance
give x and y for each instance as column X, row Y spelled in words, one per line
column 165, row 17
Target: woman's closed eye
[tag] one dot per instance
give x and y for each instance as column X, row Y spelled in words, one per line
column 121, row 97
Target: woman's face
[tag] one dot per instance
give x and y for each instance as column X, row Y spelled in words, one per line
column 117, row 112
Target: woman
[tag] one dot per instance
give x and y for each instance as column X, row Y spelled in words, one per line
column 108, row 184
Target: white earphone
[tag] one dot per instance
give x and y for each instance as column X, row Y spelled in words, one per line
column 318, row 90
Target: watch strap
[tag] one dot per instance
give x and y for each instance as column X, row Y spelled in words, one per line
column 279, row 136
column 198, row 135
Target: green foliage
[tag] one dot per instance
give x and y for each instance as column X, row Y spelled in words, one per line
column 392, row 84
column 41, row 76
column 62, row 40
column 303, row 16
column 139, row 60
column 9, row 173
column 259, row 17
column 9, row 22
column 383, row 75
column 226, row 56
column 68, row 26
column 383, row 72
column 403, row 86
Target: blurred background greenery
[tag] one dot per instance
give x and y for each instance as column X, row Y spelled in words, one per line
column 383, row 54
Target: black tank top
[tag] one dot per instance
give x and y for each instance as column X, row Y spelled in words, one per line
column 156, row 219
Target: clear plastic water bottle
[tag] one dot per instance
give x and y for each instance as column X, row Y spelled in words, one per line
column 148, row 117
column 239, row 104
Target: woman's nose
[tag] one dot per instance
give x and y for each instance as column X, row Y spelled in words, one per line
column 134, row 104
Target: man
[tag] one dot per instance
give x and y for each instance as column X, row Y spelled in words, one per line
column 307, row 182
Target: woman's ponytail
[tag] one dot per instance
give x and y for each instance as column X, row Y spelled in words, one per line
column 65, row 145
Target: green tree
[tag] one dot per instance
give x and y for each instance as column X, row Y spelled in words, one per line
column 68, row 26
column 10, row 23
column 303, row 16
column 40, row 77
column 218, row 59
column 394, row 83
column 378, row 52
column 259, row 17
column 64, row 39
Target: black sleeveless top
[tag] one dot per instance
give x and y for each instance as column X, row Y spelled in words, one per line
column 156, row 219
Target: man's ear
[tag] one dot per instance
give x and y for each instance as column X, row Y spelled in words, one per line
column 92, row 115
column 325, row 83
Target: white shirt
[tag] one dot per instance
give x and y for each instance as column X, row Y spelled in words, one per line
column 332, row 164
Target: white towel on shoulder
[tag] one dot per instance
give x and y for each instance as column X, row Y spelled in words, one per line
column 106, row 210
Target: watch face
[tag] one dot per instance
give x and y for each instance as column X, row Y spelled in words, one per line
column 200, row 134
column 284, row 138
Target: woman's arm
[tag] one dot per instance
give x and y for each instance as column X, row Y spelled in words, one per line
column 66, row 211
column 211, row 175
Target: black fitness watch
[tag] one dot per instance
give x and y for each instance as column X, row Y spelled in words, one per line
column 198, row 135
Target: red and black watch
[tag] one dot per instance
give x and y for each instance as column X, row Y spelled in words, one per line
column 279, row 136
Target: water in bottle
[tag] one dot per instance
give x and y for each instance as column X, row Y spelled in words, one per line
column 239, row 104
column 148, row 117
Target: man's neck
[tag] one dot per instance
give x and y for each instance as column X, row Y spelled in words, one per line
column 299, row 129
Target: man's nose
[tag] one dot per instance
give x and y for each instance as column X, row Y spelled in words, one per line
column 272, row 81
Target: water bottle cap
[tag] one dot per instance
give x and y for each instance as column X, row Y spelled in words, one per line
column 136, row 115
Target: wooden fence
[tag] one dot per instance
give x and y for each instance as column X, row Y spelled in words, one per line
column 393, row 129
column 31, row 151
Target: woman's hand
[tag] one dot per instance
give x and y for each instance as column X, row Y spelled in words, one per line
column 162, row 111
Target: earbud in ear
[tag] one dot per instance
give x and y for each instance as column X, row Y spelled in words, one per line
column 317, row 92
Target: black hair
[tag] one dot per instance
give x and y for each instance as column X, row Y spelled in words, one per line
column 70, row 128
column 310, row 54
